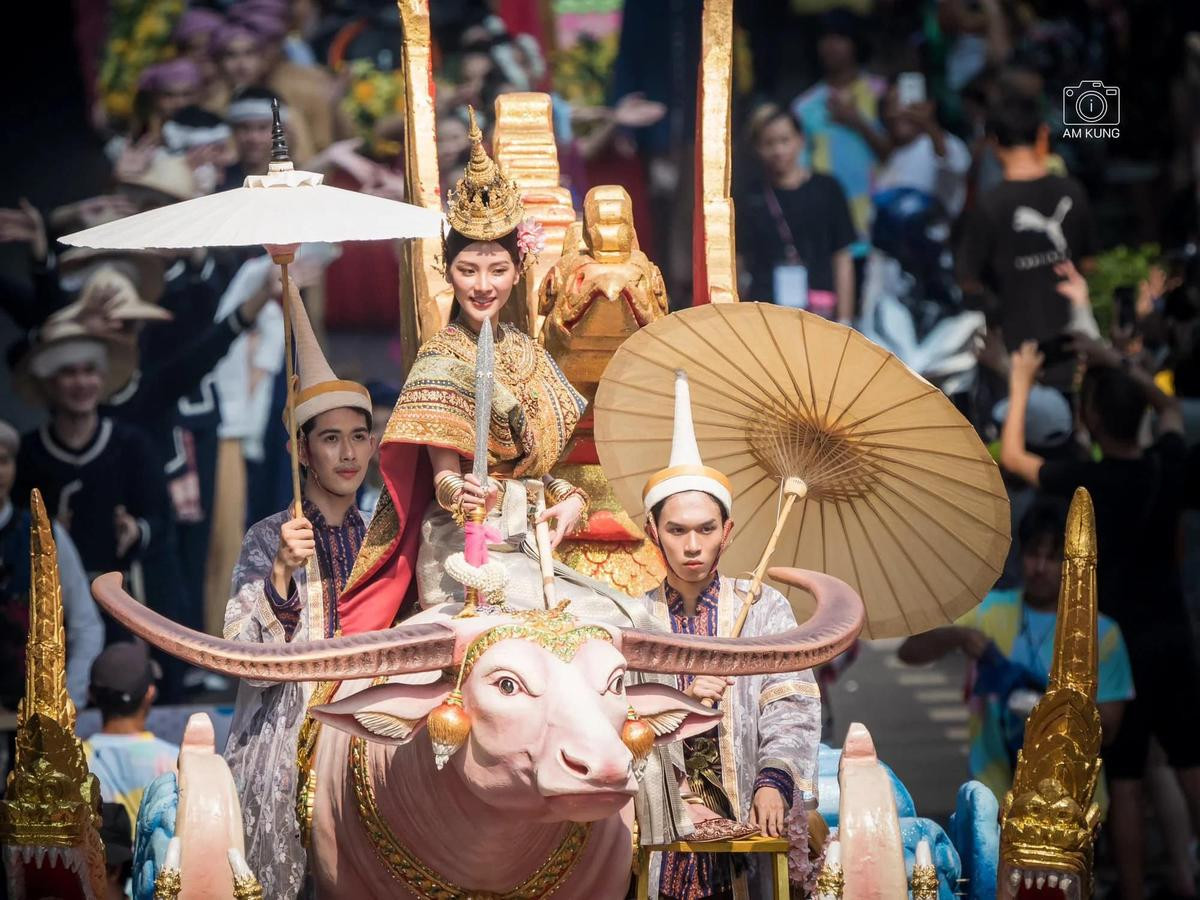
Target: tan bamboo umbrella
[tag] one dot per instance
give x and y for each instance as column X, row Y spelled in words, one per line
column 893, row 491
column 280, row 210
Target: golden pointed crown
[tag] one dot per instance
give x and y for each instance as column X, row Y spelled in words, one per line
column 485, row 204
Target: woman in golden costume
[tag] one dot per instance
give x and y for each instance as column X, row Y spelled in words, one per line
column 430, row 439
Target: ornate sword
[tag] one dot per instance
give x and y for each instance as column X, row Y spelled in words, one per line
column 475, row 550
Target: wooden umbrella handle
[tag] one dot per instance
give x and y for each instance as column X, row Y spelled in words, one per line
column 283, row 261
column 793, row 489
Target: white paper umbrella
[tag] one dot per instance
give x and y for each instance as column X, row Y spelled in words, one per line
column 279, row 210
column 282, row 207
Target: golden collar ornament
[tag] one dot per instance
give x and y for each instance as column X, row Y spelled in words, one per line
column 422, row 881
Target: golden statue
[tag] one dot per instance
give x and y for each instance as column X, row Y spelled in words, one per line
column 1048, row 820
column 525, row 148
column 602, row 289
column 714, row 256
column 50, row 815
column 425, row 297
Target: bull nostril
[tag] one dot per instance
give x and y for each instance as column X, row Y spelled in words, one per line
column 575, row 766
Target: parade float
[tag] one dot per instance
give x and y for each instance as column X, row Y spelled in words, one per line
column 408, row 764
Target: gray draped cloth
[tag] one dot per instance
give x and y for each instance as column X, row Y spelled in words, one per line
column 660, row 811
column 769, row 721
column 266, row 721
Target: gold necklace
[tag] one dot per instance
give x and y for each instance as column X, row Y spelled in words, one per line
column 423, row 881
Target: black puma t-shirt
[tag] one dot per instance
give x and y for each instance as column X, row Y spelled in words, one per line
column 1017, row 233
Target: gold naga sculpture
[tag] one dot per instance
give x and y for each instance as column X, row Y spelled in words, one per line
column 1048, row 820
column 50, row 815
column 602, row 289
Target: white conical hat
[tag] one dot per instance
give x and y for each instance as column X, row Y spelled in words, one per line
column 320, row 390
column 686, row 471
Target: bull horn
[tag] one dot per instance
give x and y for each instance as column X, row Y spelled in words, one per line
column 396, row 651
column 830, row 630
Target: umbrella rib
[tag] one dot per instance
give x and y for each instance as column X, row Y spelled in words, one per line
column 950, row 503
column 969, row 485
column 763, row 392
column 928, row 451
column 748, row 403
column 971, row 550
column 812, row 386
column 758, row 510
column 669, row 395
column 836, row 374
column 783, row 361
column 724, row 316
column 901, row 429
column 921, row 537
column 755, row 483
column 747, row 468
column 884, row 569
column 861, row 391
column 647, row 472
column 858, row 579
column 895, row 406
column 671, row 417
column 723, row 377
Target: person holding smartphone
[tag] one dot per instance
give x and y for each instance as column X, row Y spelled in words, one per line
column 923, row 156
column 794, row 227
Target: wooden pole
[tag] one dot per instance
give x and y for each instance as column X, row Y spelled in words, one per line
column 793, row 489
column 283, row 259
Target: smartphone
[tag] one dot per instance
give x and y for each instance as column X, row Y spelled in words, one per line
column 1057, row 349
column 910, row 88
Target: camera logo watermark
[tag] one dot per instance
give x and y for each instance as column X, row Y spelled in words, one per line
column 1091, row 109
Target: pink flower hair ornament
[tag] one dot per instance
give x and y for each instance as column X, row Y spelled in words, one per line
column 531, row 241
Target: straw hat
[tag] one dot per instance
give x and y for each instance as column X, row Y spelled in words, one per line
column 686, row 471
column 168, row 174
column 65, row 343
column 83, row 262
column 124, row 304
column 319, row 390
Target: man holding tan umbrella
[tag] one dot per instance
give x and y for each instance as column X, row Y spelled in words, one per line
column 762, row 757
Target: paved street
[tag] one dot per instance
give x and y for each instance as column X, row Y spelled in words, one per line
column 915, row 715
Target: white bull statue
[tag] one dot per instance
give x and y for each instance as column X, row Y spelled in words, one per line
column 532, row 716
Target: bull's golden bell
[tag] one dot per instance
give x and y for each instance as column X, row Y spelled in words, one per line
column 639, row 738
column 448, row 727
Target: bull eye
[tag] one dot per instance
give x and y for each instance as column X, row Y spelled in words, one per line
column 617, row 684
column 507, row 686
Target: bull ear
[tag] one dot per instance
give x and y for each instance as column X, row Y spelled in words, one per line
column 671, row 713
column 387, row 713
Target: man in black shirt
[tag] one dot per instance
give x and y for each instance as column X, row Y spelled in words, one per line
column 1138, row 496
column 1019, row 231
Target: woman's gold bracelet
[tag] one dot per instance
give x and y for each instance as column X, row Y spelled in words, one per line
column 559, row 489
column 448, row 491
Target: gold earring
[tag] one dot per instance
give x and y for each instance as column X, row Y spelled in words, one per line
column 448, row 727
column 638, row 737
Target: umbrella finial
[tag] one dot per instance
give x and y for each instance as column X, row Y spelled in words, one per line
column 279, row 147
